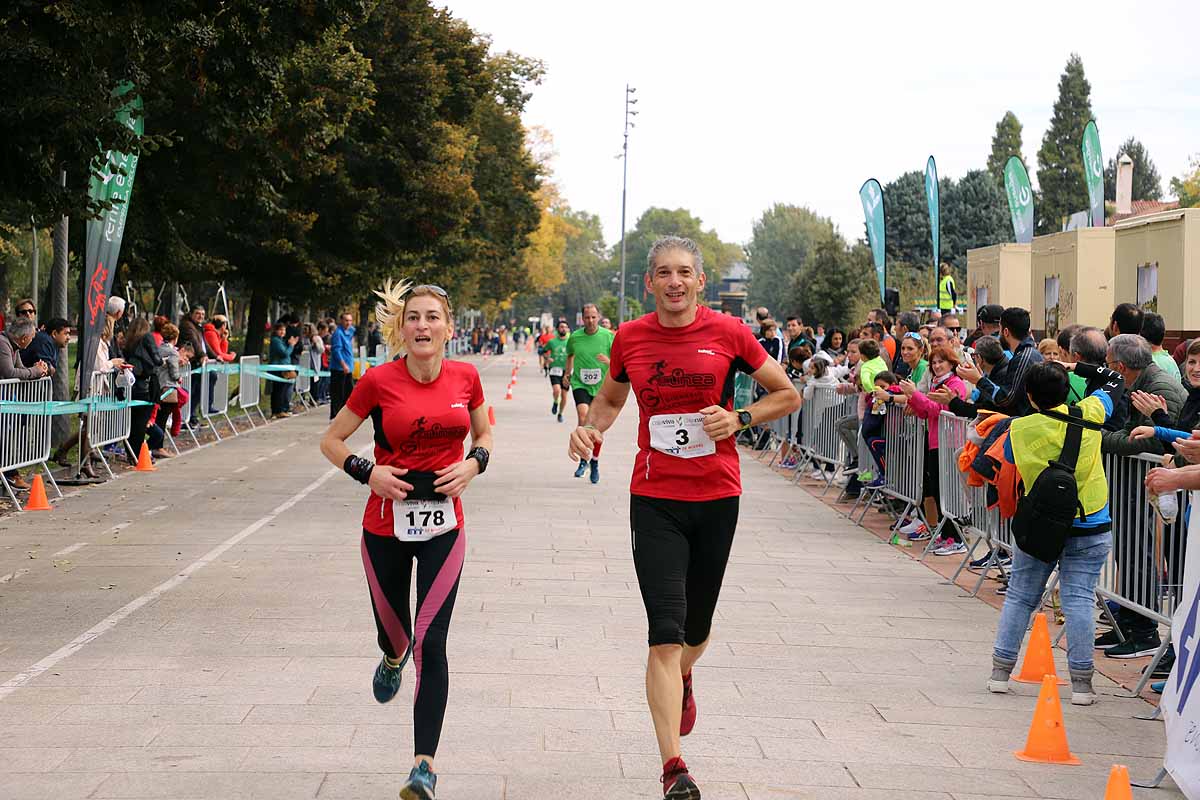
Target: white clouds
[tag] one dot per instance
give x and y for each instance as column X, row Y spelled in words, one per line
column 743, row 105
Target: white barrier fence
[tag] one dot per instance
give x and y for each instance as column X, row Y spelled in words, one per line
column 214, row 397
column 108, row 421
column 24, row 438
column 250, row 387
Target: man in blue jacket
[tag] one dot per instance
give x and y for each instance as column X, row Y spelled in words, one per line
column 341, row 363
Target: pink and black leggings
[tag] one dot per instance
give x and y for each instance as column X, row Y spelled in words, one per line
column 389, row 565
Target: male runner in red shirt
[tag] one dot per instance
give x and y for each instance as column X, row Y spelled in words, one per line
column 680, row 362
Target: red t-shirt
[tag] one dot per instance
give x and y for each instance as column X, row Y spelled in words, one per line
column 418, row 426
column 680, row 371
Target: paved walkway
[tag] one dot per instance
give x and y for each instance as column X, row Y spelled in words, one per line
column 205, row 632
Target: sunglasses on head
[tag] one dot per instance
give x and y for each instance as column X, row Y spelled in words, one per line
column 431, row 288
column 912, row 335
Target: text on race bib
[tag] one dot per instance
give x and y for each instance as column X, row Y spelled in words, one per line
column 681, row 435
column 556, row 372
column 590, row 376
column 420, row 520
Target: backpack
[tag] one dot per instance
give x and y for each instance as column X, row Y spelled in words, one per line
column 1046, row 514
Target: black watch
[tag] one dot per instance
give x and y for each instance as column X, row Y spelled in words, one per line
column 744, row 418
column 481, row 455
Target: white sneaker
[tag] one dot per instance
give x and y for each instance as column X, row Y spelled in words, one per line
column 950, row 547
column 1167, row 505
column 997, row 687
column 912, row 526
column 1083, row 698
column 841, row 481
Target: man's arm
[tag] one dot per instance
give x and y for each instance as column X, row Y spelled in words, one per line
column 602, row 413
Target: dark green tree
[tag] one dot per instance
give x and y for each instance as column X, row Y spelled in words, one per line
column 783, row 239
column 831, row 281
column 907, row 219
column 1147, row 184
column 974, row 214
column 1006, row 143
column 1061, row 184
column 586, row 267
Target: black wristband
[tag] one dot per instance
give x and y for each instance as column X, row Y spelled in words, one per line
column 481, row 455
column 358, row 468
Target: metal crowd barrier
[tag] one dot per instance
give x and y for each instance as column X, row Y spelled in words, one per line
column 250, row 388
column 904, row 465
column 823, row 409
column 787, row 431
column 214, row 400
column 110, row 424
column 185, row 409
column 25, row 438
column 310, row 363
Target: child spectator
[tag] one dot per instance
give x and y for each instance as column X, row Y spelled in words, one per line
column 885, row 391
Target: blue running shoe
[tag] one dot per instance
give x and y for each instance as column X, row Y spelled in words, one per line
column 1158, row 686
column 582, row 469
column 387, row 678
column 878, row 483
column 420, row 785
column 595, row 476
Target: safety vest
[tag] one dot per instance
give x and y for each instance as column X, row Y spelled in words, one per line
column 946, row 292
column 1036, row 439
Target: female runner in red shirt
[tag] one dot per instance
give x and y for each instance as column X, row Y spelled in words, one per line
column 422, row 407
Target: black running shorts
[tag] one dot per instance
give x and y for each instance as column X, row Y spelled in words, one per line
column 556, row 380
column 582, row 396
column 680, row 550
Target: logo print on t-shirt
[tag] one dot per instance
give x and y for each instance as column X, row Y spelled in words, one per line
column 671, row 382
column 426, row 438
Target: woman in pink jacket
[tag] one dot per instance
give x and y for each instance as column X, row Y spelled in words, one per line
column 942, row 363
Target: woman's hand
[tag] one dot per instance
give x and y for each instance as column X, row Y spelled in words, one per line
column 453, row 480
column 942, row 395
column 1189, row 448
column 908, row 387
column 385, row 482
column 1147, row 403
column 1142, row 432
column 882, row 395
column 969, row 372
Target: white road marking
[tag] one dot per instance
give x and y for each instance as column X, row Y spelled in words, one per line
column 11, row 575
column 155, row 510
column 70, row 549
column 115, row 618
column 241, row 469
column 293, row 444
column 279, row 452
column 261, row 459
column 119, row 527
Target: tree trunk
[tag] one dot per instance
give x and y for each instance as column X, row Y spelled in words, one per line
column 60, row 425
column 256, row 323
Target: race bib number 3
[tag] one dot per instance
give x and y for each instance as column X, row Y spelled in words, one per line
column 556, row 372
column 590, row 376
column 680, row 435
column 419, row 520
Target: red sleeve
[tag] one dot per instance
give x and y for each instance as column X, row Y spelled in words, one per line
column 363, row 399
column 616, row 360
column 214, row 342
column 747, row 348
column 476, row 391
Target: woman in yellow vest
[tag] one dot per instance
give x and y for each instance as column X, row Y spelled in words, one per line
column 947, row 291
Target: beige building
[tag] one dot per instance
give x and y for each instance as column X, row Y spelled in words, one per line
column 998, row 274
column 1158, row 267
column 1073, row 279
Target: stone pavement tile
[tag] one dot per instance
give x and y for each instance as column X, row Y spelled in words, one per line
column 461, row 692
column 356, row 785
column 127, row 677
column 155, row 715
column 728, row 724
column 523, row 788
column 15, row 712
column 941, row 779
column 588, row 742
column 458, row 735
column 89, row 735
column 38, row 695
column 864, row 751
column 224, row 695
column 827, row 793
column 786, row 773
column 226, row 785
column 40, row 786
column 31, row 759
column 202, row 758
column 1012, row 718
column 248, row 735
column 395, row 758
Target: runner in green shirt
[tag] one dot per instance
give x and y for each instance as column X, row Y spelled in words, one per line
column 556, row 352
column 587, row 365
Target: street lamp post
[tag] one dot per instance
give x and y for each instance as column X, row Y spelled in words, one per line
column 630, row 100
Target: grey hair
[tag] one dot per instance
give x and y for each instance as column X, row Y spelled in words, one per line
column 115, row 305
column 1131, row 350
column 664, row 243
column 1089, row 344
column 586, row 306
column 20, row 327
column 988, row 348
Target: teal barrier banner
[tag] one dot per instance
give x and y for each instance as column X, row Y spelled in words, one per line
column 935, row 222
column 871, row 194
column 1093, row 171
column 1020, row 199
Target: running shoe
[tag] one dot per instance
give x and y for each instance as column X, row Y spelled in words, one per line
column 981, row 563
column 1108, row 639
column 1158, row 686
column 817, row 475
column 1165, row 664
column 553, row 408
column 1002, row 589
column 841, row 480
column 1134, row 648
column 911, row 525
column 595, row 476
column 950, row 547
column 688, row 720
column 677, row 783
column 421, row 783
column 788, row 463
column 387, row 678
column 560, row 417
column 878, row 483
column 920, row 533
column 583, row 465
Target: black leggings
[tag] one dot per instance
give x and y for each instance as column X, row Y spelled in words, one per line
column 389, row 563
column 680, row 550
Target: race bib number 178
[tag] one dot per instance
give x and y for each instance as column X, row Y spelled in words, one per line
column 420, row 520
column 681, row 435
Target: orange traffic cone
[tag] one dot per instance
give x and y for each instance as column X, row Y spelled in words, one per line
column 37, row 496
column 491, row 416
column 508, row 394
column 1118, row 784
column 1047, row 742
column 1039, row 659
column 144, row 463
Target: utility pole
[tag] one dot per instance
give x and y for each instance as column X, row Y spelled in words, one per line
column 60, row 425
column 630, row 100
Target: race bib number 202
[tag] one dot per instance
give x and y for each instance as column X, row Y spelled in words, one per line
column 681, row 435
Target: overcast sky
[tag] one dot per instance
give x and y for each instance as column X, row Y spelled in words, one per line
column 742, row 105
